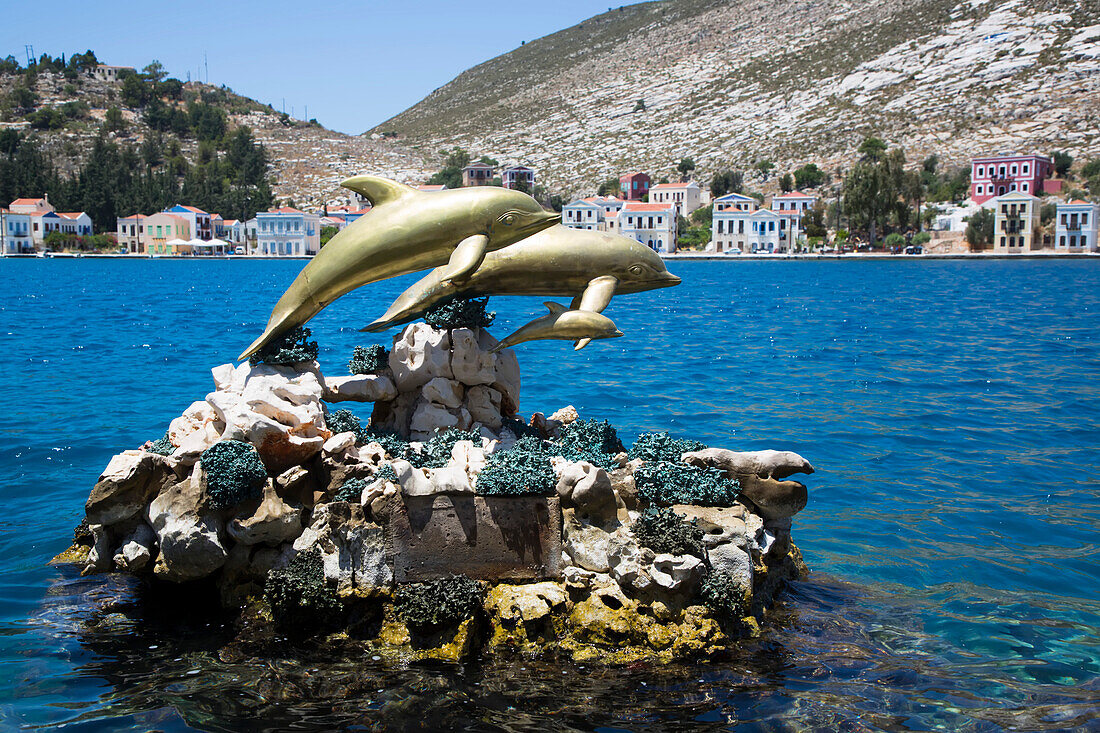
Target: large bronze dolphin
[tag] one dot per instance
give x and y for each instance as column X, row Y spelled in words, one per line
column 588, row 266
column 405, row 231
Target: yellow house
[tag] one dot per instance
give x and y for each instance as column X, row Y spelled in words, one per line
column 162, row 228
column 1016, row 223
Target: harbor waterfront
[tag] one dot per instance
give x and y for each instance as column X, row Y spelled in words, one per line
column 952, row 409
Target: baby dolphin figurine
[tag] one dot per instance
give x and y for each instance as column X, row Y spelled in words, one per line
column 561, row 323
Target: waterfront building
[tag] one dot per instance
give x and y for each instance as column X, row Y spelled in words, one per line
column 165, row 234
column 103, row 72
column 1015, row 223
column 683, row 197
column 201, row 225
column 478, row 174
column 251, row 232
column 15, row 233
column 654, row 225
column 232, row 231
column 582, row 214
column 518, row 176
column 762, row 230
column 288, row 231
column 737, row 201
column 333, row 221
column 1002, row 174
column 66, row 222
column 31, row 206
column 951, row 217
column 794, row 202
column 129, row 232
column 634, row 186
column 1075, row 227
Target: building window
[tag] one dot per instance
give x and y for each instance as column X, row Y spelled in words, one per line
column 981, row 171
column 1062, row 241
column 1025, row 169
column 1024, row 187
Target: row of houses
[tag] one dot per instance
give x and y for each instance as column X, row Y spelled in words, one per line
column 185, row 229
column 1017, row 225
column 26, row 222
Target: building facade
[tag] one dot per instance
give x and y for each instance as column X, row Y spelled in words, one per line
column 654, row 225
column 103, row 72
column 742, row 230
column 31, row 206
column 158, row 230
column 288, row 232
column 683, row 197
column 478, row 174
column 15, row 233
column 518, row 176
column 129, row 232
column 582, row 214
column 1075, row 227
column 1015, row 223
column 202, row 226
column 735, row 201
column 1003, row 174
column 634, row 186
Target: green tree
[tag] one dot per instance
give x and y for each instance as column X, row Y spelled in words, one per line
column 154, row 71
column 872, row 148
column 23, row 97
column 1062, row 162
column 894, row 241
column 134, row 92
column 979, row 228
column 786, row 183
column 610, row 187
column 765, row 167
column 685, row 167
column 813, row 221
column 328, row 233
column 113, row 120
column 726, row 182
column 809, row 176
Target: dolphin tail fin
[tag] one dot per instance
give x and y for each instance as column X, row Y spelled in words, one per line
column 265, row 338
column 466, row 258
column 581, row 343
column 377, row 190
column 555, row 308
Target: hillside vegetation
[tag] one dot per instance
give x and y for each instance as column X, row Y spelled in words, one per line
column 735, row 82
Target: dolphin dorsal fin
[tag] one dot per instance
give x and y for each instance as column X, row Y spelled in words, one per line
column 554, row 308
column 377, row 190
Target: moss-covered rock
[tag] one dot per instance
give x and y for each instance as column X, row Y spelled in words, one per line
column 292, row 348
column 234, row 473
column 162, row 446
column 651, row 447
column 343, row 421
column 437, row 451
column 394, row 445
column 369, row 359
column 663, row 530
column 665, row 483
column 460, row 313
column 525, row 468
column 300, row 599
column 438, row 603
column 352, row 490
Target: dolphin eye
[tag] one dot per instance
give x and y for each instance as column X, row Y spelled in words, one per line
column 637, row 269
column 508, row 220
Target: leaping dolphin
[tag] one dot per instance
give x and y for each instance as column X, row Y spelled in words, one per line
column 591, row 267
column 560, row 323
column 405, row 231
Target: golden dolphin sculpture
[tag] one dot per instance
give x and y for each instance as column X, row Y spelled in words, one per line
column 560, row 323
column 591, row 267
column 405, row 231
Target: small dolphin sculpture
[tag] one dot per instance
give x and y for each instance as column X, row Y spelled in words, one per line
column 561, row 323
column 406, row 231
column 591, row 267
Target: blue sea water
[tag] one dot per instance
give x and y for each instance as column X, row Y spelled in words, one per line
column 952, row 410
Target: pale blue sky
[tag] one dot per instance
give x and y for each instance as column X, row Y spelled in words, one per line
column 353, row 64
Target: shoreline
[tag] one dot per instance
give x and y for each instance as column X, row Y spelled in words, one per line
column 675, row 257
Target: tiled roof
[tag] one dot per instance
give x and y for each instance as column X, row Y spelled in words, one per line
column 27, row 202
column 633, row 206
column 1078, row 202
column 795, row 195
column 285, row 210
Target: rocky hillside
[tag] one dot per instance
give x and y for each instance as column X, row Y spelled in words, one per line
column 730, row 82
column 307, row 160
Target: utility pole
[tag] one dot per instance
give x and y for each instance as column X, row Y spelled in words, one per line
column 30, row 54
column 206, row 66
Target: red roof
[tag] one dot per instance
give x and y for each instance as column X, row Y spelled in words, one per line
column 634, row 206
column 192, row 209
column 285, row 210
column 27, row 202
column 1079, row 202
column 796, row 195
column 70, row 214
column 431, row 187
column 670, row 185
column 632, row 175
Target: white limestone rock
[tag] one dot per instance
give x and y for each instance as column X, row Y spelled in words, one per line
column 275, row 408
column 630, row 563
column 338, row 444
column 272, row 522
column 565, row 415
column 420, row 353
column 136, row 549
column 413, row 481
column 484, row 406
column 471, row 364
column 588, row 488
column 677, row 573
column 352, row 549
column 126, row 486
column 188, row 539
column 507, row 377
column 428, row 418
column 446, row 392
column 450, row 479
column 587, row 547
column 198, row 428
column 731, row 559
column 359, row 388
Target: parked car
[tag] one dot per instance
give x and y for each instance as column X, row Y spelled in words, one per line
column 914, row 249
column 733, row 251
column 240, row 250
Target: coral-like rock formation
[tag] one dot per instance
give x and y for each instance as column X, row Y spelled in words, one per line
column 572, row 544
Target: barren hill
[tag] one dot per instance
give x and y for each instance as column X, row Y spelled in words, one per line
column 728, row 82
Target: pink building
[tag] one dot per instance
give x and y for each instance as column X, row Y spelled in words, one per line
column 1001, row 174
column 633, row 186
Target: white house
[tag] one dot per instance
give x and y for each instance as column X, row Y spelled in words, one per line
column 1075, row 227
column 654, row 225
column 202, row 226
column 15, row 233
column 684, row 197
column 762, row 230
column 31, row 206
column 795, row 201
column 951, row 217
column 251, row 230
column 68, row 222
column 736, row 201
column 103, row 72
column 289, row 232
column 593, row 213
column 129, row 231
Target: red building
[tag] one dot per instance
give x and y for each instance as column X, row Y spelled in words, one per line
column 1001, row 174
column 634, row 186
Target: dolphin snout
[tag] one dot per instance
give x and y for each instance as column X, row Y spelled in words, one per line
column 615, row 334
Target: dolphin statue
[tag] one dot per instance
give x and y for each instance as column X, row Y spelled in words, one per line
column 405, row 231
column 561, row 323
column 591, row 267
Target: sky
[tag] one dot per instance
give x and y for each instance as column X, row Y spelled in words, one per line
column 351, row 65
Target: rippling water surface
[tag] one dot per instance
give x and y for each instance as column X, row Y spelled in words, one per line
column 952, row 410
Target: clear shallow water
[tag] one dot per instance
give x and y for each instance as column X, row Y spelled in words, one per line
column 952, row 410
